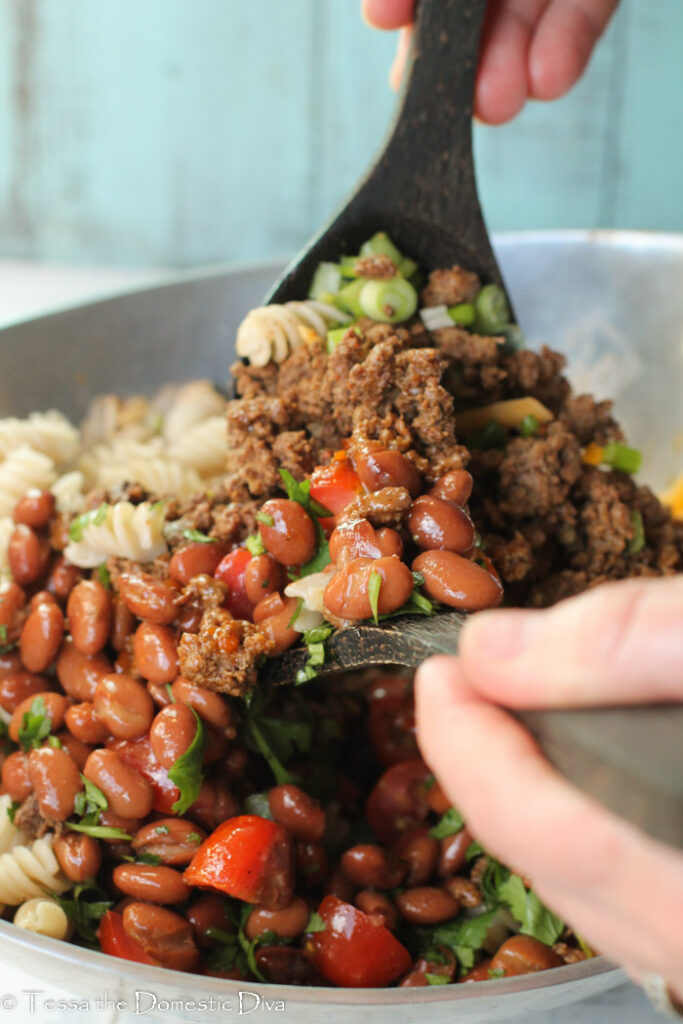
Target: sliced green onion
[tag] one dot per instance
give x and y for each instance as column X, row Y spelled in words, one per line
column 263, row 517
column 381, row 245
column 347, row 266
column 407, row 268
column 374, row 586
column 490, row 436
column 492, row 310
column 254, row 544
column 335, row 336
column 463, row 314
column 389, row 302
column 529, row 426
column 637, row 542
column 620, row 456
column 348, row 298
column 327, row 278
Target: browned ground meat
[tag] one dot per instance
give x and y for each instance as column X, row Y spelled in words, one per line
column 31, row 822
column 225, row 653
column 450, row 286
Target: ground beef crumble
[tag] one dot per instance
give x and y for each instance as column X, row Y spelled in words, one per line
column 224, row 655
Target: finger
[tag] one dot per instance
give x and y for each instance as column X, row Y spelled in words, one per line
column 399, row 65
column 388, row 14
column 563, row 43
column 590, row 866
column 616, row 643
column 502, row 80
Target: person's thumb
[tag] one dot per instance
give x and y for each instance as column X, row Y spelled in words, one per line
column 620, row 642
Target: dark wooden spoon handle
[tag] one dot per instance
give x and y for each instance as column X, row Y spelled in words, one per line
column 422, row 188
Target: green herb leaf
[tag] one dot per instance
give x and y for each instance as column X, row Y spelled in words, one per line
column 451, row 822
column 186, row 773
column 496, row 972
column 418, row 579
column 93, row 517
column 465, row 937
column 55, row 742
column 147, row 858
column 98, row 831
column 436, row 979
column 254, row 544
column 299, row 492
column 35, row 725
column 536, row 920
column 162, row 830
column 249, row 948
column 321, row 559
column 265, row 518
column 103, row 576
column 374, row 586
column 637, row 542
column 417, row 604
column 90, row 802
column 12, row 810
column 315, row 923
column 198, row 537
column 475, row 849
column 85, row 906
column 297, row 613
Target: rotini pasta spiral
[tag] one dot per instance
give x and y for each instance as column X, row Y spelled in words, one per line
column 46, row 432
column 191, row 404
column 270, row 333
column 109, row 416
column 161, row 477
column 69, row 493
column 9, row 835
column 125, row 531
column 24, row 469
column 203, row 447
column 30, row 870
column 43, row 916
column 6, row 531
column 310, row 589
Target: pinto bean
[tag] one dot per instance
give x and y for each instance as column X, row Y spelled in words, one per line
column 196, row 559
column 286, row 923
column 339, row 885
column 63, row 578
column 478, row 973
column 263, row 575
column 15, row 778
column 18, row 686
column 12, row 603
column 149, row 597
column 347, row 595
column 55, row 709
column 171, row 733
column 291, row 537
column 312, row 863
column 28, row 555
column 300, row 814
column 41, row 597
column 82, row 722
column 10, row 664
column 427, row 905
column 78, row 751
column 122, row 623
column 214, row 804
column 419, row 853
column 453, row 853
column 163, row 934
column 464, row 890
column 155, row 883
column 457, row 581
column 79, row 855
column 123, row 706
column 207, row 912
column 56, row 781
column 377, row 904
column 286, row 965
column 438, row 524
column 384, row 467
column 42, row 637
column 173, row 840
column 156, row 653
column 370, row 866
column 35, row 509
column 80, row 673
column 455, row 486
column 521, row 954
column 89, row 613
column 128, row 793
column 413, row 979
column 210, row 706
column 276, row 626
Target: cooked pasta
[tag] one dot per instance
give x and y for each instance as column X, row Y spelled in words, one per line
column 46, row 432
column 121, row 530
column 203, row 447
column 109, row 416
column 23, row 470
column 9, row 835
column 191, row 404
column 6, row 531
column 270, row 333
column 30, row 870
column 119, row 452
column 69, row 493
column 43, row 916
column 161, row 477
column 310, row 589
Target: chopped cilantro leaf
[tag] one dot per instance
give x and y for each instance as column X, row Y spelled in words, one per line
column 535, row 919
column 436, row 979
column 465, row 936
column 475, row 849
column 254, row 544
column 374, row 586
column 496, row 972
column 93, row 517
column 186, row 773
column 85, row 907
column 98, row 831
column 265, row 518
column 12, row 810
column 162, row 830
column 315, row 923
column 451, row 822
column 198, row 537
column 103, row 576
column 297, row 612
column 35, row 725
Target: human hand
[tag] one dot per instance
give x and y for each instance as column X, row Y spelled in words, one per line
column 531, row 49
column 618, row 643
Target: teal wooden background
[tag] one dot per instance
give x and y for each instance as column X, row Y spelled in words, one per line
column 184, row 131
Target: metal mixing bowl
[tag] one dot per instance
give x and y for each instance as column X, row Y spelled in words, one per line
column 612, row 301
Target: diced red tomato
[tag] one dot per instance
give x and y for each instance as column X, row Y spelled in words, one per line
column 247, row 857
column 391, row 721
column 230, row 571
column 335, row 486
column 139, row 754
column 398, row 801
column 355, row 950
column 115, row 941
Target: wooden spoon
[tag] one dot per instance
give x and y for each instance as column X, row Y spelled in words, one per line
column 422, row 191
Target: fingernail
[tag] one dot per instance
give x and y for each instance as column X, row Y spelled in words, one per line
column 498, row 635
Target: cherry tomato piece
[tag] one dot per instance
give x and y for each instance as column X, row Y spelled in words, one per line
column 231, row 571
column 139, row 754
column 334, row 487
column 115, row 941
column 355, row 950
